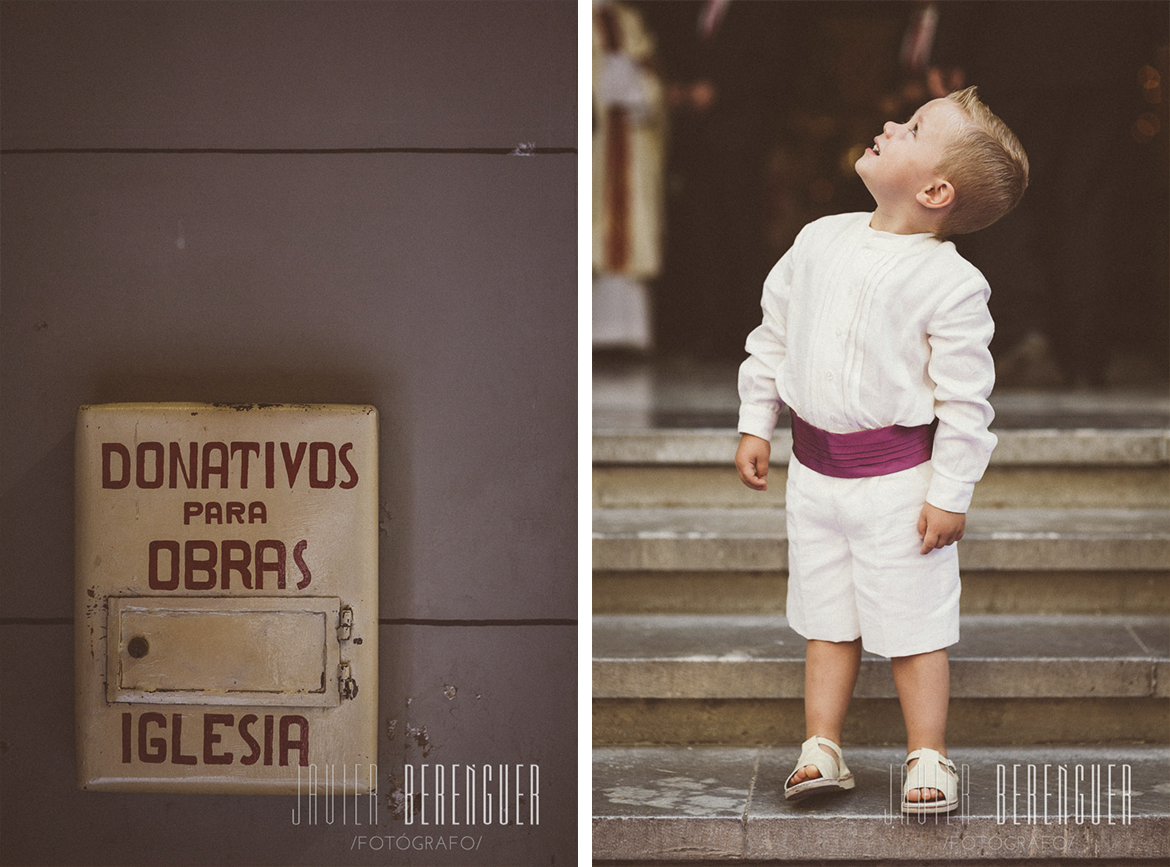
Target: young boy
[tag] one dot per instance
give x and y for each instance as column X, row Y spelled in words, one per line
column 875, row 335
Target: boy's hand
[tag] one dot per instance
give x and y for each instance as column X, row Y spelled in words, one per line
column 751, row 460
column 938, row 528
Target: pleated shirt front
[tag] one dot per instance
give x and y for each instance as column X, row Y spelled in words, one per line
column 864, row 329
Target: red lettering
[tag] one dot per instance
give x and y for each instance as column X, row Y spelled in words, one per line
column 292, row 730
column 210, row 738
column 191, row 510
column 270, row 465
column 193, row 564
column 343, row 456
column 239, row 564
column 177, row 464
column 268, row 739
column 263, row 565
column 292, row 466
column 301, row 743
column 244, row 449
column 245, row 722
column 108, row 451
column 160, row 744
column 177, row 757
column 159, row 460
column 257, row 512
column 235, row 510
column 220, row 469
column 298, row 558
column 213, row 511
column 205, row 564
column 153, row 581
column 127, row 721
column 315, row 479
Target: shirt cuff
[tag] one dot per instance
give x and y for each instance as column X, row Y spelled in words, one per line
column 758, row 421
column 948, row 494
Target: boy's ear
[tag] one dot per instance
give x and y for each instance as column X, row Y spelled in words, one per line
column 939, row 194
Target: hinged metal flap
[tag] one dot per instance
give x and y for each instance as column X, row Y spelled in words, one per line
column 223, row 651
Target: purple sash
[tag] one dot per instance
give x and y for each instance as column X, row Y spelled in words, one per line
column 862, row 453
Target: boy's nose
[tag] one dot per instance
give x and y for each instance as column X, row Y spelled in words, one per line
column 889, row 127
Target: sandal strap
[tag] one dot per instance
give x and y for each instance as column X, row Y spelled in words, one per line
column 925, row 775
column 926, row 754
column 811, row 754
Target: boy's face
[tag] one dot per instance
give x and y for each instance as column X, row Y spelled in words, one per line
column 905, row 157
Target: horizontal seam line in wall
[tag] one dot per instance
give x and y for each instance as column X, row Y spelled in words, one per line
column 406, row 621
column 421, row 622
column 271, row 151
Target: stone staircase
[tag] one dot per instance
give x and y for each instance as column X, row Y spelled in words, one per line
column 1063, row 667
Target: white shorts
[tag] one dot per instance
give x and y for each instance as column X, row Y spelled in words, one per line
column 854, row 567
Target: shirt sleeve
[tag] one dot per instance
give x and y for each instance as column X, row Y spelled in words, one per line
column 963, row 373
column 760, row 402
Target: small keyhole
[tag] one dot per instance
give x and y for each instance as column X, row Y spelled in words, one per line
column 138, row 647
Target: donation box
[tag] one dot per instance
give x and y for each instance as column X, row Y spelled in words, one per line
column 226, row 616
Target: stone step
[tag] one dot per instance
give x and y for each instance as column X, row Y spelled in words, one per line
column 738, row 657
column 673, row 805
column 1038, row 591
column 875, row 721
column 1046, row 468
column 674, row 486
column 754, row 540
column 1029, row 447
column 664, row 679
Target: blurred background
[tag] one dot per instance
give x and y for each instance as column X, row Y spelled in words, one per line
column 721, row 127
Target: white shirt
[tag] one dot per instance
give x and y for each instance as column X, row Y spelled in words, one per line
column 865, row 329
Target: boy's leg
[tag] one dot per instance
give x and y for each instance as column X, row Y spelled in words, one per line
column 830, row 672
column 924, row 689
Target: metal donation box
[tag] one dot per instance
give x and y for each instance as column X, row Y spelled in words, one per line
column 226, row 609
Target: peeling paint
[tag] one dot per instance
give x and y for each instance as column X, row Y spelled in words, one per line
column 391, row 728
column 246, row 407
column 396, row 800
column 420, row 738
column 449, row 691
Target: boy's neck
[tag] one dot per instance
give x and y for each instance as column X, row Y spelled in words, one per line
column 913, row 222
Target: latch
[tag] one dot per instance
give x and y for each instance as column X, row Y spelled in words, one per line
column 347, row 685
column 345, row 623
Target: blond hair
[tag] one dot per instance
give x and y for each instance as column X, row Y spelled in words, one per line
column 987, row 166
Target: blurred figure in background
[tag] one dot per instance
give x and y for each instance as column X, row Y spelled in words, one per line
column 1078, row 271
column 728, row 68
column 771, row 104
column 629, row 131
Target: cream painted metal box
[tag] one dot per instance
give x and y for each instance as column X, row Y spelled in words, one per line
column 227, row 597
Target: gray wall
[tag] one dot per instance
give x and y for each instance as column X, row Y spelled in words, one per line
column 437, row 285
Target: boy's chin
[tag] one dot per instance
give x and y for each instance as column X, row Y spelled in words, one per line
column 861, row 173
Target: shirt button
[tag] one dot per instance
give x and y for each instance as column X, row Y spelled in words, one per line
column 828, row 374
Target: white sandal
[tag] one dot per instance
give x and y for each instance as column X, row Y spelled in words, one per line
column 933, row 771
column 835, row 776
